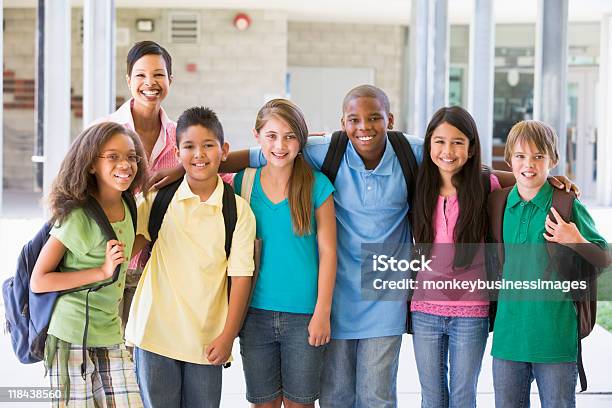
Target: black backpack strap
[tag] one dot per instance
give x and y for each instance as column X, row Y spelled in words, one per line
column 159, row 208
column 230, row 216
column 563, row 202
column 486, row 181
column 407, row 161
column 131, row 204
column 335, row 152
column 94, row 210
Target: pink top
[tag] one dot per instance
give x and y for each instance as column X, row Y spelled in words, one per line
column 445, row 219
column 162, row 156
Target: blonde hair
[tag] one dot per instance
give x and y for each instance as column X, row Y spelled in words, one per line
column 539, row 133
column 301, row 181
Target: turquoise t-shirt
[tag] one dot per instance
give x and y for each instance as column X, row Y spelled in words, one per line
column 288, row 274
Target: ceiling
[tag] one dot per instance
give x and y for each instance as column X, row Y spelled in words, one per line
column 364, row 11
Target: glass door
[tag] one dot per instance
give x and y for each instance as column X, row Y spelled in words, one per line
column 582, row 128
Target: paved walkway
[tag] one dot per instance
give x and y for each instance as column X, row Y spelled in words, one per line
column 21, row 221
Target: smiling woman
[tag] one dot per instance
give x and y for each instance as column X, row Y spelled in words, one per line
column 148, row 76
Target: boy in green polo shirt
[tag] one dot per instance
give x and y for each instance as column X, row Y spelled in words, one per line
column 536, row 339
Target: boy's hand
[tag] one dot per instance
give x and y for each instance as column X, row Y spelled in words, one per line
column 114, row 257
column 319, row 330
column 560, row 231
column 219, row 350
column 564, row 183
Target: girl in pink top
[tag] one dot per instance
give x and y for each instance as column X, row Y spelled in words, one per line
column 451, row 177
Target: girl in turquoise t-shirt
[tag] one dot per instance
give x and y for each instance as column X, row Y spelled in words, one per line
column 104, row 161
column 288, row 324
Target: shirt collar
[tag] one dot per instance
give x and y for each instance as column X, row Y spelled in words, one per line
column 124, row 116
column 384, row 168
column 541, row 200
column 215, row 199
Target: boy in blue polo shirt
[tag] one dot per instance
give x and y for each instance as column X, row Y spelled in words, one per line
column 371, row 207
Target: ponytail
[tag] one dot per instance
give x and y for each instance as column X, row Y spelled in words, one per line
column 300, row 196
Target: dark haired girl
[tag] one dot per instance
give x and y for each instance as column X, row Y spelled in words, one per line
column 450, row 331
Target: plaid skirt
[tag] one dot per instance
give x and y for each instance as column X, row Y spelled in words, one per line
column 110, row 379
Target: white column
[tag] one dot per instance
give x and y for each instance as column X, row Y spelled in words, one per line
column 439, row 55
column 481, row 74
column 57, row 88
column 428, row 84
column 419, row 44
column 98, row 59
column 550, row 82
column 604, row 134
column 1, row 112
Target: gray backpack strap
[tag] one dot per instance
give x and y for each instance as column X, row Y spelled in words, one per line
column 248, row 180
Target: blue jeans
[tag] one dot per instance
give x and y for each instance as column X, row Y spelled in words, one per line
column 512, row 383
column 361, row 373
column 453, row 345
column 169, row 383
column 277, row 358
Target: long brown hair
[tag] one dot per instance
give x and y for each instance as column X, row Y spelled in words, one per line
column 471, row 224
column 301, row 181
column 74, row 182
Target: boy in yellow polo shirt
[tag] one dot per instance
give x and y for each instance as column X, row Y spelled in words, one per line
column 180, row 321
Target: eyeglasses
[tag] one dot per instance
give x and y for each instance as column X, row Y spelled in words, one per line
column 117, row 158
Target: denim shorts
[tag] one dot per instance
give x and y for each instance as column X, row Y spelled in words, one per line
column 277, row 358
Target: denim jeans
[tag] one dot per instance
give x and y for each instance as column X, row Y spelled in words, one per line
column 453, row 345
column 512, row 383
column 169, row 383
column 361, row 373
column 277, row 358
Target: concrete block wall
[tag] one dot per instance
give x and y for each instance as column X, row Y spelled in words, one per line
column 235, row 70
column 352, row 45
column 235, row 73
column 19, row 115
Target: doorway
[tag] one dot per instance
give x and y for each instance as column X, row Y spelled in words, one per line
column 582, row 127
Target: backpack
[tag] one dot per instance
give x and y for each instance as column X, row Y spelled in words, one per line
column 28, row 314
column 586, row 307
column 401, row 147
column 248, row 180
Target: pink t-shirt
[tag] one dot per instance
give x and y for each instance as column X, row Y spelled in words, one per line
column 445, row 218
column 162, row 156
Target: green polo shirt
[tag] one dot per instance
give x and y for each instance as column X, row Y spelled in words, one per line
column 86, row 248
column 535, row 331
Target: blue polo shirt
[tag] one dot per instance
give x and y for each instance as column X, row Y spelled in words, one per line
column 371, row 207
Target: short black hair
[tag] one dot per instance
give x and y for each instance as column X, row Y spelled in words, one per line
column 199, row 115
column 142, row 48
column 367, row 91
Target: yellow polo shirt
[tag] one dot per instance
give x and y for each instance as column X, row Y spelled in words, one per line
column 180, row 304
